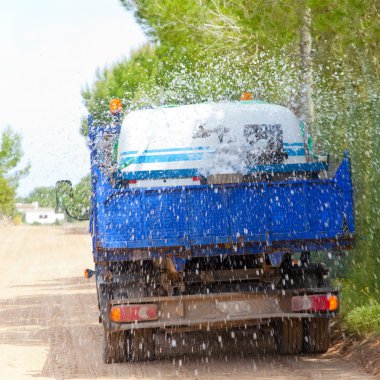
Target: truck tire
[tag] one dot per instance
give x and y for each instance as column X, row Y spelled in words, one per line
column 141, row 345
column 288, row 336
column 316, row 335
column 113, row 347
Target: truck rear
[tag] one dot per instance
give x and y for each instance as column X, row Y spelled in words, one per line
column 207, row 217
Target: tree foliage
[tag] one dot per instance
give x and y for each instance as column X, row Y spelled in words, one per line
column 81, row 196
column 340, row 27
column 124, row 80
column 213, row 49
column 44, row 195
column 7, row 198
column 10, row 156
column 76, row 199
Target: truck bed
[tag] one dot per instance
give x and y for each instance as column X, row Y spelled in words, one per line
column 252, row 217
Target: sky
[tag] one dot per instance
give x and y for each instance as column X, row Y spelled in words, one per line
column 49, row 50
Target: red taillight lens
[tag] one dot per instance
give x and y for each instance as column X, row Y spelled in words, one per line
column 196, row 179
column 132, row 313
column 319, row 302
column 132, row 181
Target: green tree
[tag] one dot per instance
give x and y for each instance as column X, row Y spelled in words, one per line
column 81, row 196
column 10, row 156
column 129, row 80
column 7, row 198
column 251, row 26
column 44, row 195
column 74, row 201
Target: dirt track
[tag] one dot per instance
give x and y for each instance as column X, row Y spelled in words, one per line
column 49, row 326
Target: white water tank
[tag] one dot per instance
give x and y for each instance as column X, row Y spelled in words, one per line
column 208, row 139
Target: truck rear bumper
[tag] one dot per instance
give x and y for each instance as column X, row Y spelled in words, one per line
column 195, row 312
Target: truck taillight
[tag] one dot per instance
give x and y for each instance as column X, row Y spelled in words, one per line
column 133, row 313
column 315, row 303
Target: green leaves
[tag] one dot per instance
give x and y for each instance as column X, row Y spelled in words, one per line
column 7, row 196
column 10, row 156
column 125, row 80
column 44, row 195
column 81, row 196
column 10, row 151
column 76, row 200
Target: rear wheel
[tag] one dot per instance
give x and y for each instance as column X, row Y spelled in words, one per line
column 288, row 335
column 113, row 347
column 141, row 345
column 316, row 335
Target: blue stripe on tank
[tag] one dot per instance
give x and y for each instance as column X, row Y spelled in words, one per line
column 160, row 174
column 201, row 148
column 187, row 173
column 294, row 144
column 146, row 159
column 165, row 150
column 293, row 153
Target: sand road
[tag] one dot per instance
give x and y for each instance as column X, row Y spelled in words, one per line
column 49, row 324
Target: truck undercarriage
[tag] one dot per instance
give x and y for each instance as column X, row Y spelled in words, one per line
column 291, row 303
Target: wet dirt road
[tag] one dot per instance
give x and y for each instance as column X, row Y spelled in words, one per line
column 49, row 324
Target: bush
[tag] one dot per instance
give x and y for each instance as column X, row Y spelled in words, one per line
column 17, row 219
column 364, row 320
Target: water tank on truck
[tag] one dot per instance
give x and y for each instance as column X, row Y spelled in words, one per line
column 214, row 141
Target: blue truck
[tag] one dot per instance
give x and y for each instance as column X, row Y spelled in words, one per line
column 207, row 216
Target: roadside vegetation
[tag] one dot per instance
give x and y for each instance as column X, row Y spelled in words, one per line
column 10, row 172
column 46, row 196
column 211, row 50
column 360, row 310
column 364, row 320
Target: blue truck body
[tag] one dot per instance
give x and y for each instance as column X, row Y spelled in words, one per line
column 258, row 217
